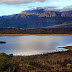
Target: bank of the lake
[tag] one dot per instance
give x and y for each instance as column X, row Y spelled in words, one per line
column 31, row 34
column 49, row 62
column 67, row 47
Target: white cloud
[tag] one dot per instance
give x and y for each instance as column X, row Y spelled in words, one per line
column 55, row 3
column 20, row 1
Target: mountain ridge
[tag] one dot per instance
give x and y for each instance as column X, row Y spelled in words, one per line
column 38, row 18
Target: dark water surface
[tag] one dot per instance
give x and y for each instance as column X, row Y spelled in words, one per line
column 34, row 44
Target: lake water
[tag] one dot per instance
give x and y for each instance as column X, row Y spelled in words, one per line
column 34, row 44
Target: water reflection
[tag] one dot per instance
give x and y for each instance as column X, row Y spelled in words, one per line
column 29, row 45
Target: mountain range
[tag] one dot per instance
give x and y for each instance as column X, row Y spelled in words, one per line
column 38, row 18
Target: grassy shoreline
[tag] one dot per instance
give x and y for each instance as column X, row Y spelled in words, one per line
column 30, row 34
column 67, row 47
column 50, row 62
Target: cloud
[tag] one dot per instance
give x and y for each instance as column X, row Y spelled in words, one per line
column 67, row 8
column 55, row 3
column 45, row 7
column 52, row 7
column 19, row 1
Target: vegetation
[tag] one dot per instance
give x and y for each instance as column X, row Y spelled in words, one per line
column 67, row 47
column 36, row 31
column 50, row 62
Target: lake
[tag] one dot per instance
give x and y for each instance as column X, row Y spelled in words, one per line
column 34, row 44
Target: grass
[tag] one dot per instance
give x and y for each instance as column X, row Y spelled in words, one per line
column 67, row 47
column 30, row 34
column 50, row 62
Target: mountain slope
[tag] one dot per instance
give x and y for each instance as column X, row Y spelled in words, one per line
column 37, row 19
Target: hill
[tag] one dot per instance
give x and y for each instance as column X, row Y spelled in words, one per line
column 36, row 31
column 37, row 18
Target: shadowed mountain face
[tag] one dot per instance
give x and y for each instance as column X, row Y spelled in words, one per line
column 38, row 18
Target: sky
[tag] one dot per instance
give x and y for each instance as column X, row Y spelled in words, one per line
column 9, row 7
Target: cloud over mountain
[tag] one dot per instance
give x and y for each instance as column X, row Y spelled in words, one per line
column 67, row 8
column 19, row 1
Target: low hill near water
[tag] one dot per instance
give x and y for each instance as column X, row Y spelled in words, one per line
column 38, row 18
column 36, row 31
